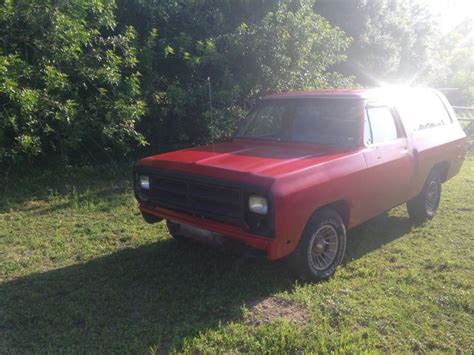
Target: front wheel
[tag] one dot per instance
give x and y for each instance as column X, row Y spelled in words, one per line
column 321, row 248
column 425, row 204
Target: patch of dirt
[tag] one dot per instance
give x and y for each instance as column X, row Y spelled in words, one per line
column 264, row 310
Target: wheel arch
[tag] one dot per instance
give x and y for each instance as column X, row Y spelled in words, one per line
column 341, row 207
column 441, row 168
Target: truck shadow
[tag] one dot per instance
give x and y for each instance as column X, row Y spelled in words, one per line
column 375, row 233
column 155, row 295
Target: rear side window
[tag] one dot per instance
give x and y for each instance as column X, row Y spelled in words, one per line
column 380, row 126
column 423, row 110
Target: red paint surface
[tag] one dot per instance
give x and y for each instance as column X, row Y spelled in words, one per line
column 362, row 181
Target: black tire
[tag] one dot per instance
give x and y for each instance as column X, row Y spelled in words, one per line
column 150, row 219
column 424, row 206
column 173, row 230
column 305, row 261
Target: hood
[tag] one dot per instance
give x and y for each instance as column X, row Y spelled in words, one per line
column 245, row 159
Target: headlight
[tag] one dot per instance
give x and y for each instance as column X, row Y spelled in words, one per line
column 145, row 182
column 258, row 204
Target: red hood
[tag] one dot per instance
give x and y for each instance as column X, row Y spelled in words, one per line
column 244, row 159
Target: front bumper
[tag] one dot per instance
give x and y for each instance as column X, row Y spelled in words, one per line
column 229, row 231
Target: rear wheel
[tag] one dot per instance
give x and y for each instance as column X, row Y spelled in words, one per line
column 321, row 247
column 425, row 204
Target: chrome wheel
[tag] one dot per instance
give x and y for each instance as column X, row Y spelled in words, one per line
column 432, row 197
column 323, row 250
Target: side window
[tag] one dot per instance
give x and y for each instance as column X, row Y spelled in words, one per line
column 434, row 112
column 423, row 110
column 381, row 124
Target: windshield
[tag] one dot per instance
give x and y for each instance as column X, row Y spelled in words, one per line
column 320, row 121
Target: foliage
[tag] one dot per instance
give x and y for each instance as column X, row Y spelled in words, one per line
column 246, row 49
column 81, row 272
column 391, row 38
column 68, row 80
column 452, row 65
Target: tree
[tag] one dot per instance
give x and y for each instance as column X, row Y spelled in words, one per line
column 246, row 49
column 391, row 38
column 452, row 64
column 68, row 80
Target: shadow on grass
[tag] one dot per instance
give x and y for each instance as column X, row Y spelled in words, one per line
column 379, row 231
column 155, row 295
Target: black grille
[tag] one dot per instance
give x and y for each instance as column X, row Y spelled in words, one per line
column 184, row 193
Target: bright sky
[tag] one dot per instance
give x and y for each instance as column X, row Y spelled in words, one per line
column 451, row 12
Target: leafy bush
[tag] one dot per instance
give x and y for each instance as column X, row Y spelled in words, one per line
column 246, row 49
column 68, row 80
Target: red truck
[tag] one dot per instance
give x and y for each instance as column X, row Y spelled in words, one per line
column 303, row 168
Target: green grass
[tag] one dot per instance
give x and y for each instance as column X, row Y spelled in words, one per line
column 81, row 272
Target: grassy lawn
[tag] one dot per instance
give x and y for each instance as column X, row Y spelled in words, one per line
column 81, row 272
